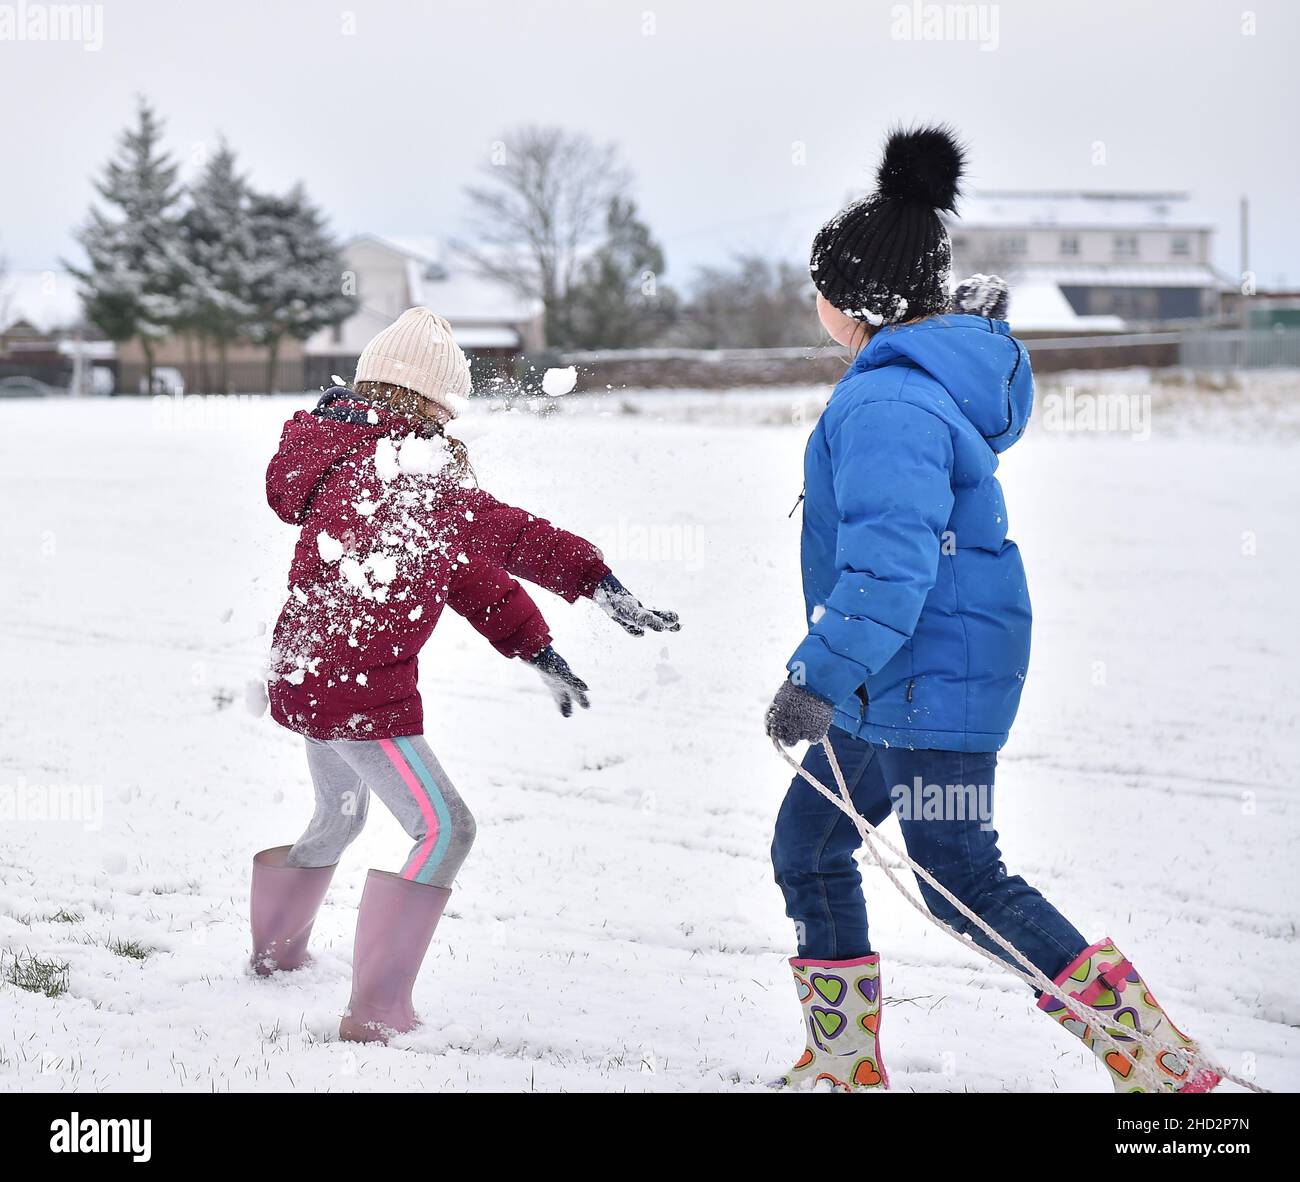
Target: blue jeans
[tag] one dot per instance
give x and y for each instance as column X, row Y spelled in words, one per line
column 944, row 801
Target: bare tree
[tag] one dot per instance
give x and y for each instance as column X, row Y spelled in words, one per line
column 4, row 300
column 755, row 303
column 541, row 210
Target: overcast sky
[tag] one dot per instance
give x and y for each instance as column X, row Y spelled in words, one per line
column 386, row 108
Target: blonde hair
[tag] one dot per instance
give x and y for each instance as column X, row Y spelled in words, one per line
column 411, row 403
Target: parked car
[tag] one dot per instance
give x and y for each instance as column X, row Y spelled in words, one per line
column 25, row 387
column 166, row 380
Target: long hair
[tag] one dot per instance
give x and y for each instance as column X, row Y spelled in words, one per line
column 410, row 403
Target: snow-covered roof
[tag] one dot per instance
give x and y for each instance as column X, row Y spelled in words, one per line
column 466, row 298
column 1079, row 210
column 47, row 300
column 1037, row 305
column 1123, row 275
column 484, row 313
column 439, row 278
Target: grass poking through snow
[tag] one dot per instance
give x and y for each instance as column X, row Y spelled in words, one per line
column 35, row 974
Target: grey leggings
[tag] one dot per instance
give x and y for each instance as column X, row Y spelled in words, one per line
column 408, row 778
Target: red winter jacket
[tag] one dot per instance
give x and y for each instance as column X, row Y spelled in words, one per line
column 387, row 540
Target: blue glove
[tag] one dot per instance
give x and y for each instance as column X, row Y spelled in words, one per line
column 566, row 686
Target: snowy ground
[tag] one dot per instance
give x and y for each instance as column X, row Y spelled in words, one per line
column 616, row 926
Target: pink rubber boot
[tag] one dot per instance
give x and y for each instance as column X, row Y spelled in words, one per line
column 1104, row 978
column 283, row 904
column 394, row 926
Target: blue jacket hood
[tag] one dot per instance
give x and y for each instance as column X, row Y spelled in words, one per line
column 977, row 360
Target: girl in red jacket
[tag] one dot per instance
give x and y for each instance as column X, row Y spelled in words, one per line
column 394, row 529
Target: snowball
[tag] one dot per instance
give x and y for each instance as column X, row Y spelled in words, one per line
column 466, row 430
column 355, row 574
column 330, row 549
column 422, row 457
column 386, row 460
column 455, row 403
column 559, row 381
column 255, row 698
column 383, row 567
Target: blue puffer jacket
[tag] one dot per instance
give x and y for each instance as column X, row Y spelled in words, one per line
column 917, row 602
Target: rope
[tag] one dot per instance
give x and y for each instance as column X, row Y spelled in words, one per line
column 1030, row 974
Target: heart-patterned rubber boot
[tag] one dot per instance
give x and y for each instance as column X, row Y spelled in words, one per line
column 1103, row 977
column 840, row 1000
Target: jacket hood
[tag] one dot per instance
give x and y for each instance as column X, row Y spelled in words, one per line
column 977, row 360
column 313, row 442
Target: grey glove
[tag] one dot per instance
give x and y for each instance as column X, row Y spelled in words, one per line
column 566, row 686
column 617, row 602
column 982, row 295
column 798, row 715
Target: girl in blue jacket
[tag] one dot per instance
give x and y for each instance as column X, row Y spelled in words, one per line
column 918, row 631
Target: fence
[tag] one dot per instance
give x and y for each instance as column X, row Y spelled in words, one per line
column 1199, row 348
column 291, row 375
column 1265, row 348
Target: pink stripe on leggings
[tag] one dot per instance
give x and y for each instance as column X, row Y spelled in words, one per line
column 422, row 799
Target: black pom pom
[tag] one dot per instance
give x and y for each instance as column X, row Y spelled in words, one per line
column 922, row 166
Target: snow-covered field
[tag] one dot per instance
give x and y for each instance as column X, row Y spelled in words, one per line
column 616, row 926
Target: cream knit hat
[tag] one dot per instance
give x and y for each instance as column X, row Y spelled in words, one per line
column 418, row 351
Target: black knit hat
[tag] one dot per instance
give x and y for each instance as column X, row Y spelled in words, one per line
column 887, row 257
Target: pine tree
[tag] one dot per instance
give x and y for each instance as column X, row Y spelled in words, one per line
column 297, row 287
column 221, row 261
column 130, row 285
column 618, row 300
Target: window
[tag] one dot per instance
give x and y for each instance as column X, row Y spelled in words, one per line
column 1180, row 246
column 1014, row 245
column 1069, row 245
column 336, row 334
column 1124, row 246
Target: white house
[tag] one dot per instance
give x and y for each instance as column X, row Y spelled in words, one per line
column 491, row 321
column 1089, row 261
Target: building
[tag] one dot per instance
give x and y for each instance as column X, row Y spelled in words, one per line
column 1091, row 261
column 44, row 334
column 491, row 322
